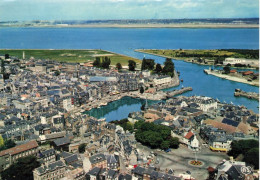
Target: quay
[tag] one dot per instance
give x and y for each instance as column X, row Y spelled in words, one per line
column 249, row 95
column 177, row 92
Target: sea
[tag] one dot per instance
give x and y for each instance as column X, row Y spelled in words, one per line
column 126, row 40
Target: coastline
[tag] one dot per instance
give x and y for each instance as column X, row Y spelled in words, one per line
column 231, row 78
column 173, row 25
column 185, row 59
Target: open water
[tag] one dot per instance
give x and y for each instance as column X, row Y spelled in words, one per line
column 125, row 40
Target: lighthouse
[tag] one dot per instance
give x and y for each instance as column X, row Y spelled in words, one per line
column 23, row 55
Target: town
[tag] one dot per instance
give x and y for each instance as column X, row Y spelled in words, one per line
column 46, row 134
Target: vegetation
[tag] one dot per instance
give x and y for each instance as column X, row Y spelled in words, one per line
column 219, row 54
column 158, row 68
column 150, row 134
column 226, row 69
column 125, row 124
column 155, row 136
column 248, row 148
column 22, row 169
column 119, row 66
column 168, row 68
column 131, row 65
column 147, row 64
column 75, row 56
column 82, row 148
column 142, row 90
column 6, row 143
column 102, row 62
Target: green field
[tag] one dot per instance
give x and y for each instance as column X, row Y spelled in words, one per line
column 77, row 56
column 208, row 54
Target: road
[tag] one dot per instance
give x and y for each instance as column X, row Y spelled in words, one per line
column 178, row 160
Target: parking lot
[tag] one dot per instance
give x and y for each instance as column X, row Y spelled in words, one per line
column 178, row 160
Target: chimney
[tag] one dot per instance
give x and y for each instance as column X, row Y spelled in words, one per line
column 231, row 159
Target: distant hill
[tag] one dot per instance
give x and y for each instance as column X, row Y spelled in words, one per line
column 134, row 21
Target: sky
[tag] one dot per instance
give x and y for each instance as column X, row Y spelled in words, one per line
column 27, row 10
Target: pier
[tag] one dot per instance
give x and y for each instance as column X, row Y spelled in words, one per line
column 249, row 95
column 177, row 92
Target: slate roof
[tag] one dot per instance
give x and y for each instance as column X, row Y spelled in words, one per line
column 139, row 171
column 230, row 122
column 61, row 141
column 50, row 167
column 97, row 158
column 125, row 177
column 94, row 172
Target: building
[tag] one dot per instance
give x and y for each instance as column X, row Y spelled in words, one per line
column 206, row 103
column 233, row 61
column 54, row 170
column 9, row 156
column 162, row 80
column 98, row 160
column 191, row 140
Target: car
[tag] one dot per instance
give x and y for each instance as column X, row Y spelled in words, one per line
column 168, row 150
column 155, row 154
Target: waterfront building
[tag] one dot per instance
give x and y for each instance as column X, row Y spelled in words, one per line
column 243, row 61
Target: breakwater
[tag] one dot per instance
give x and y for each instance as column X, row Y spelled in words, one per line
column 249, row 95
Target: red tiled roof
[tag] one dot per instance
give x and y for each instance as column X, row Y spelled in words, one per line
column 233, row 71
column 189, row 135
column 20, row 148
column 248, row 72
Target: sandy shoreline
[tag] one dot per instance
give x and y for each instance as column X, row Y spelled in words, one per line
column 231, row 78
column 186, row 25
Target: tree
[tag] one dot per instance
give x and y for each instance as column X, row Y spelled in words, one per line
column 57, row 73
column 2, row 143
column 82, row 148
column 106, row 63
column 97, row 62
column 174, row 142
column 158, row 68
column 252, row 157
column 142, row 90
column 147, row 64
column 226, row 69
column 131, row 65
column 22, row 169
column 165, row 145
column 168, row 68
column 118, row 66
column 7, row 56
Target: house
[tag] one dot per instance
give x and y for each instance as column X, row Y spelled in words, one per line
column 75, row 174
column 9, row 156
column 62, row 144
column 98, row 160
column 205, row 103
column 233, row 170
column 54, row 170
column 112, row 162
column 47, row 156
column 162, row 80
column 220, row 142
column 191, row 140
column 93, row 174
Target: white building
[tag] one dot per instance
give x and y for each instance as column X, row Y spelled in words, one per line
column 67, row 104
column 232, row 61
column 162, row 80
column 191, row 140
column 206, row 103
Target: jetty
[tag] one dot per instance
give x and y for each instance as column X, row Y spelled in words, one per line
column 177, row 92
column 249, row 95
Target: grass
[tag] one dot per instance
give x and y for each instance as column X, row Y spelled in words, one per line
column 209, row 54
column 77, row 56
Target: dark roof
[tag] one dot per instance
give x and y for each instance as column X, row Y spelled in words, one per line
column 230, row 122
column 139, row 171
column 71, row 158
column 97, row 158
column 62, row 141
column 125, row 177
column 50, row 167
column 94, row 172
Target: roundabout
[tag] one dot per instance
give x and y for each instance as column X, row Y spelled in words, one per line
column 196, row 163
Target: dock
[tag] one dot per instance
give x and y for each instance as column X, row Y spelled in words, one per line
column 177, row 92
column 249, row 95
